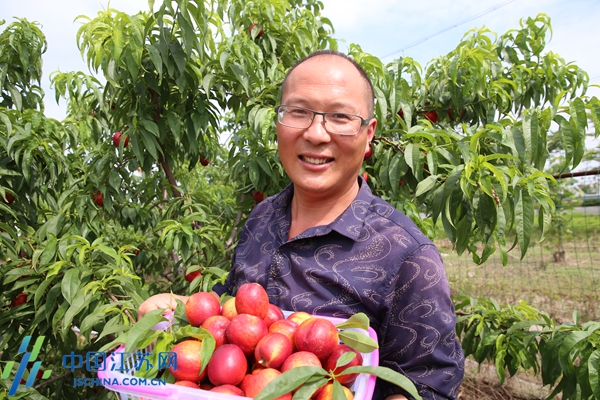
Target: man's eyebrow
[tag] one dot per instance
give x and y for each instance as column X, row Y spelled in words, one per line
column 331, row 107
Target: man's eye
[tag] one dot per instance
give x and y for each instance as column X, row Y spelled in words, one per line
column 298, row 112
column 339, row 117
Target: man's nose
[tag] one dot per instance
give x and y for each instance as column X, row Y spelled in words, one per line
column 316, row 132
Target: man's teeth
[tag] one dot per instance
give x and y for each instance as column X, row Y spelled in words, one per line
column 317, row 161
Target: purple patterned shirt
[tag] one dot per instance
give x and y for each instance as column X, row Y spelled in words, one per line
column 371, row 259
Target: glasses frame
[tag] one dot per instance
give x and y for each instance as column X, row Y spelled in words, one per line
column 363, row 121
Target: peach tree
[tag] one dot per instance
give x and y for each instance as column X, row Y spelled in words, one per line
column 169, row 141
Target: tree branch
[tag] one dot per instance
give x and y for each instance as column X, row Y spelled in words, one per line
column 113, row 298
column 238, row 218
column 49, row 381
column 388, row 141
column 166, row 167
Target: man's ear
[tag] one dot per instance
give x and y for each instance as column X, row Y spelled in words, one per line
column 371, row 127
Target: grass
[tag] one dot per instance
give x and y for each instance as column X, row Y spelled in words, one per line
column 554, row 285
column 586, row 222
column 542, row 278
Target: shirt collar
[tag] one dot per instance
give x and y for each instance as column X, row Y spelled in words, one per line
column 349, row 223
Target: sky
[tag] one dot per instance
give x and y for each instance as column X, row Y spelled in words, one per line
column 422, row 29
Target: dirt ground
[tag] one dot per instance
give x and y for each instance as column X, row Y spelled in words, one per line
column 473, row 390
column 482, row 383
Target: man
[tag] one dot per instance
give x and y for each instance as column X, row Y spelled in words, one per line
column 328, row 246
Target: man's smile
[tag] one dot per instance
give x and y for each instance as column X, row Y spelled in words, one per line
column 316, row 161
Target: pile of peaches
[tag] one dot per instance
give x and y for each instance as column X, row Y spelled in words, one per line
column 255, row 343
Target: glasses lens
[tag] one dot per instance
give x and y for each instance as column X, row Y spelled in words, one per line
column 342, row 124
column 335, row 123
column 295, row 117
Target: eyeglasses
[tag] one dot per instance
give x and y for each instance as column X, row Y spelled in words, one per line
column 335, row 122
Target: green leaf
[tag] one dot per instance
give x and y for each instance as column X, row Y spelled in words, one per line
column 453, row 178
column 551, row 370
column 382, row 165
column 114, row 325
column 358, row 320
column 208, row 347
column 524, row 217
column 174, row 125
column 393, row 171
column 595, row 116
column 519, row 143
column 52, row 300
column 345, row 358
column 223, row 59
column 7, row 123
column 412, row 156
column 289, row 381
column 499, row 357
column 151, row 126
column 141, row 328
column 310, row 387
column 178, row 55
column 117, row 37
column 567, row 347
column 189, row 331
column 54, row 225
column 154, row 55
column 358, row 341
column 81, row 300
column 593, row 372
column 388, row 375
column 381, row 100
column 338, row 391
column 567, row 136
column 426, row 185
column 264, row 165
column 254, row 173
column 579, row 122
column 16, row 97
column 484, row 211
column 463, row 226
column 242, row 77
column 497, row 173
column 87, row 324
column 207, row 82
column 531, row 136
column 437, row 203
column 58, row 315
column 41, row 291
column 149, row 142
column 70, row 284
column 163, row 343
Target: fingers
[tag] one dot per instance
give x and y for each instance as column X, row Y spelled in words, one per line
column 162, row 301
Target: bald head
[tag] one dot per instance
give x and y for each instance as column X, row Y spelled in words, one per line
column 337, row 57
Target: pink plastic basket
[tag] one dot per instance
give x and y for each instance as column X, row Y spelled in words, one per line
column 115, row 381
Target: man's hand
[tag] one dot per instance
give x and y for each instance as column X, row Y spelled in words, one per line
column 396, row 397
column 162, row 300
